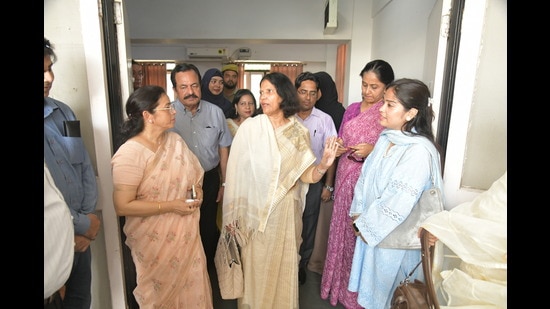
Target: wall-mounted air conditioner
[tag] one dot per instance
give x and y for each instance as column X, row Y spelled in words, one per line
column 331, row 16
column 206, row 52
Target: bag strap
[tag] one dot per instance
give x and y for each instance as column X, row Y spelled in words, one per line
column 407, row 279
column 432, row 175
column 427, row 259
column 412, row 271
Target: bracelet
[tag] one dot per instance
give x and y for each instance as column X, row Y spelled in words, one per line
column 319, row 171
column 329, row 188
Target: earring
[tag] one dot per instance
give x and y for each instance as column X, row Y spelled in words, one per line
column 408, row 118
column 150, row 121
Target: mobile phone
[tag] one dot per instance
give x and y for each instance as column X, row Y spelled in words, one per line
column 71, row 128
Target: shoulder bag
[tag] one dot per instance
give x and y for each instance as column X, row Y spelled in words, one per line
column 417, row 294
column 405, row 235
column 228, row 267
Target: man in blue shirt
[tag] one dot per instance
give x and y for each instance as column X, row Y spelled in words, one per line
column 203, row 127
column 320, row 126
column 72, row 170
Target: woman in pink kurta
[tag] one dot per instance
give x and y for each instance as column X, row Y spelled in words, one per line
column 358, row 133
column 153, row 174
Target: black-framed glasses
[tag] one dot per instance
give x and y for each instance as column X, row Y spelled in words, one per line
column 353, row 158
column 170, row 108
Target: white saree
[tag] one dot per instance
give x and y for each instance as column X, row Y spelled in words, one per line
column 265, row 196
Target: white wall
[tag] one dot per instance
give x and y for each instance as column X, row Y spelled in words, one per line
column 297, row 35
column 80, row 82
column 256, row 20
column 401, row 38
column 70, row 85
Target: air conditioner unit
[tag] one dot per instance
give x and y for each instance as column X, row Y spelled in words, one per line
column 206, row 52
column 331, row 16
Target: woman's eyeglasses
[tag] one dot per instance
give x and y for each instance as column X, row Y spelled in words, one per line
column 170, row 108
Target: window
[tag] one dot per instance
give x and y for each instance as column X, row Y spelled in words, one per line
column 254, row 72
column 169, row 90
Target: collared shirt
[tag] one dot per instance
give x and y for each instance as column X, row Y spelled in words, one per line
column 204, row 133
column 69, row 164
column 58, row 237
column 320, row 126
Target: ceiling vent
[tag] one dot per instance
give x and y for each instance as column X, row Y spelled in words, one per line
column 206, row 52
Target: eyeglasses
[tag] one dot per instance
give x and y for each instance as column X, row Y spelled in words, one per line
column 304, row 93
column 170, row 108
column 353, row 158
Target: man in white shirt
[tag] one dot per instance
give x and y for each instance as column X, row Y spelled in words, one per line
column 58, row 242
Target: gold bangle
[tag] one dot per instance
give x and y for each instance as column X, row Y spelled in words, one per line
column 319, row 171
column 159, row 208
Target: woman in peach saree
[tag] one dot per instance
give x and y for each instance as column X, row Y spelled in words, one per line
column 153, row 171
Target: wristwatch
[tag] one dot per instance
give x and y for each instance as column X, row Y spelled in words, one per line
column 329, row 188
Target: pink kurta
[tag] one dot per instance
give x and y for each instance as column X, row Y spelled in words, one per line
column 357, row 127
column 167, row 248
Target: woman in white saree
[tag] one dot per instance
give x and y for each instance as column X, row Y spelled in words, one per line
column 269, row 168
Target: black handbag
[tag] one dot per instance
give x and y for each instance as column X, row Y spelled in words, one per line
column 417, row 294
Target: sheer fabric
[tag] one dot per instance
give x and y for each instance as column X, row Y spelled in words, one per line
column 264, row 198
column 471, row 255
column 166, row 248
